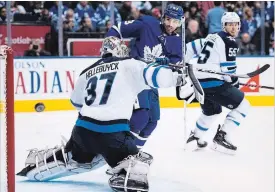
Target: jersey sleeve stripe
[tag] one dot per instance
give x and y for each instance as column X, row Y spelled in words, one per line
column 211, row 84
column 227, row 64
column 144, row 72
column 231, row 71
column 194, row 47
column 154, row 76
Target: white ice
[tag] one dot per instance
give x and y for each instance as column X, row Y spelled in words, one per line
column 250, row 170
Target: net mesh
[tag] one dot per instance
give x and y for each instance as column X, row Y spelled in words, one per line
column 3, row 120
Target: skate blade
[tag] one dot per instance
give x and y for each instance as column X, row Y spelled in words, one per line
column 192, row 146
column 222, row 149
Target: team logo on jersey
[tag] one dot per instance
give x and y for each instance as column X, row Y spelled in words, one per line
column 231, row 38
column 150, row 55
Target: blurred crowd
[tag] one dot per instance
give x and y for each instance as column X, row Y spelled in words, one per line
column 202, row 18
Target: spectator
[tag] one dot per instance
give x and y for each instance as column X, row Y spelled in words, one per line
column 230, row 6
column 269, row 11
column 70, row 24
column 86, row 25
column 192, row 31
column 16, row 8
column 37, row 8
column 213, row 19
column 204, row 6
column 257, row 38
column 142, row 5
column 125, row 10
column 83, row 9
column 194, row 13
column 257, row 12
column 3, row 14
column 35, row 50
column 103, row 14
column 45, row 16
column 246, row 48
column 156, row 13
column 54, row 9
column 271, row 50
column 249, row 23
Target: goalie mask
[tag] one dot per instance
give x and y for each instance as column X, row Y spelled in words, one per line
column 111, row 45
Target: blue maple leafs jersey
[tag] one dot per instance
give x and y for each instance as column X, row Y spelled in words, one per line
column 150, row 40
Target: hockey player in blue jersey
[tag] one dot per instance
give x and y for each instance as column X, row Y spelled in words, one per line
column 102, row 131
column 218, row 53
column 153, row 39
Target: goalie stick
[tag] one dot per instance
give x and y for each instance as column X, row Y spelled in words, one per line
column 247, row 75
column 199, row 93
column 258, row 86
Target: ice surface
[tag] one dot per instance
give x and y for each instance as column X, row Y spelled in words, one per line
column 173, row 169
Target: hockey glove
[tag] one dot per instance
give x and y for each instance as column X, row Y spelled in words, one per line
column 162, row 61
column 186, row 91
column 235, row 82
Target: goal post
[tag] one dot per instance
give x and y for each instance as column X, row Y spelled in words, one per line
column 7, row 150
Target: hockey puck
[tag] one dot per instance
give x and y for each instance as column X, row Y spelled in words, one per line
column 39, row 107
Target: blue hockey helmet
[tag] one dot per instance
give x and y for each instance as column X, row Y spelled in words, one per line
column 173, row 11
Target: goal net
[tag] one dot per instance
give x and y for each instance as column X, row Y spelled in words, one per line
column 7, row 172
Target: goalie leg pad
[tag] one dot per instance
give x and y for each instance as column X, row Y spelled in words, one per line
column 45, row 165
column 130, row 175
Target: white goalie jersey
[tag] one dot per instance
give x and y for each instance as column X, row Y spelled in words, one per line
column 106, row 90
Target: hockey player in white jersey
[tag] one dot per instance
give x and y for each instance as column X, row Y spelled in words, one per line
column 219, row 54
column 104, row 95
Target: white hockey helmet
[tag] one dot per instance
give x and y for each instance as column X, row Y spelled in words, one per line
column 230, row 17
column 111, row 45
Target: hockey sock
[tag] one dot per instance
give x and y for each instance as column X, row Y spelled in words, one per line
column 234, row 118
column 203, row 124
column 145, row 133
column 139, row 120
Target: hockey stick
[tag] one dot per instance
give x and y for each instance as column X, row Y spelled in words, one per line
column 257, row 86
column 185, row 136
column 199, row 93
column 247, row 75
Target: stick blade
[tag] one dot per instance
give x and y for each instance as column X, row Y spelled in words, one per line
column 259, row 71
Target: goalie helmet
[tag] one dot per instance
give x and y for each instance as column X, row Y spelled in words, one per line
column 111, row 45
column 230, row 17
column 125, row 50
